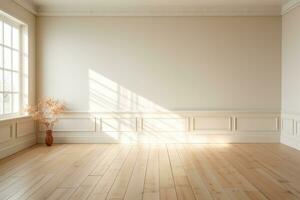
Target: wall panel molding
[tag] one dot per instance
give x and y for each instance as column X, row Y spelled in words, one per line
column 177, row 126
column 16, row 134
column 257, row 124
column 74, row 124
column 297, row 126
column 119, row 124
column 290, row 130
column 165, row 124
column 212, row 123
column 287, row 126
column 6, row 130
column 25, row 127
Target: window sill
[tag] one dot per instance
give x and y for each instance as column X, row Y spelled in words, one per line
column 15, row 117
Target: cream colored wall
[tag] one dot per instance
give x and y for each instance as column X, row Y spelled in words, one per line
column 290, row 78
column 19, row 133
column 291, row 61
column 28, row 18
column 172, row 63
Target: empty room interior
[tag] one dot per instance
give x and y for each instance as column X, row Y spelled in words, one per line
column 150, row 99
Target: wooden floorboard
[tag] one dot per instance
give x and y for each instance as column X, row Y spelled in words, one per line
column 152, row 172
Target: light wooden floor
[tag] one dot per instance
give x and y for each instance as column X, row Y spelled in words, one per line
column 173, row 171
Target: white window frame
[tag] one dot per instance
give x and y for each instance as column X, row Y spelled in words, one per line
column 22, row 27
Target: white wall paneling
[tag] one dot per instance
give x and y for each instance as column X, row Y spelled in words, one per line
column 191, row 127
column 287, row 126
column 25, row 127
column 119, row 124
column 290, row 131
column 75, row 125
column 165, row 124
column 217, row 123
column 297, row 132
column 257, row 124
column 6, row 130
column 16, row 134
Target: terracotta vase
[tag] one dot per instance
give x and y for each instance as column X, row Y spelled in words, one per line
column 49, row 138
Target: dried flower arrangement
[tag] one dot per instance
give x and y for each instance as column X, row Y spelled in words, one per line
column 46, row 112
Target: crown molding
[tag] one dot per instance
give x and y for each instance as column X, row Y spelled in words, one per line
column 153, row 11
column 290, row 5
column 165, row 11
column 28, row 5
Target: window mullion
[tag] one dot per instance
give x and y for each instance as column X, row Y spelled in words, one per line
column 11, row 74
column 21, row 65
column 3, row 68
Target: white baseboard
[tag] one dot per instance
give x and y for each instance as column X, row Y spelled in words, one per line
column 201, row 139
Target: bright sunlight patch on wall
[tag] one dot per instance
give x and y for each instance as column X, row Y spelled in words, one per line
column 108, row 96
column 132, row 118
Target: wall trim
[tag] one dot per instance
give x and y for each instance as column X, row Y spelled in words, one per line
column 200, row 139
column 27, row 5
column 168, row 127
column 154, row 11
column 290, row 131
column 289, row 6
column 16, row 134
column 166, row 11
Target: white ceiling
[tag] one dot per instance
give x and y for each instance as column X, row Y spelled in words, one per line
column 181, row 7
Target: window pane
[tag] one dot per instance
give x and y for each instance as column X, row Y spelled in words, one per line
column 1, row 103
column 7, row 81
column 7, row 58
column 25, row 65
column 16, row 60
column 1, row 57
column 1, row 32
column 16, row 82
column 25, row 90
column 16, row 39
column 25, row 41
column 1, row 81
column 25, row 99
column 16, row 103
column 7, row 103
column 7, row 34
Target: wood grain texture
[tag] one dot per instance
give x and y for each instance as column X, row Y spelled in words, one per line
column 152, row 172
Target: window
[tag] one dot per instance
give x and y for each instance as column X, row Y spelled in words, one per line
column 13, row 66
